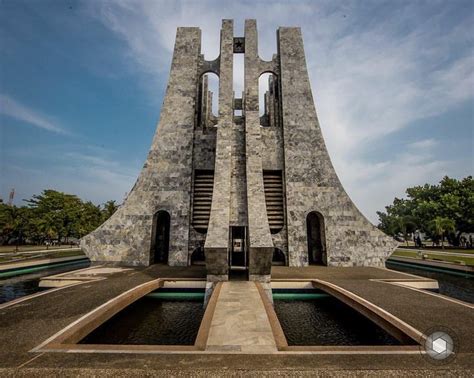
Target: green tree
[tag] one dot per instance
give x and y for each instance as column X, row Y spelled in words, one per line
column 90, row 218
column 451, row 199
column 57, row 211
column 405, row 225
column 13, row 223
column 52, row 215
column 110, row 207
column 441, row 226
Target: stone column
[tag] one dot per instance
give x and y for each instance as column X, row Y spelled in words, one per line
column 216, row 247
column 259, row 238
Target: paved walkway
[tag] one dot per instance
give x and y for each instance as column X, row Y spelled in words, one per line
column 240, row 322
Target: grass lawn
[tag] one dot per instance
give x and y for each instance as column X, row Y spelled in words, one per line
column 5, row 258
column 26, row 248
column 434, row 256
column 447, row 249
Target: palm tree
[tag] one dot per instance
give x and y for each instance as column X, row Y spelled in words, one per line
column 440, row 226
column 405, row 224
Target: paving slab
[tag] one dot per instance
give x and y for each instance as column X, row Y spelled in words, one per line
column 240, row 322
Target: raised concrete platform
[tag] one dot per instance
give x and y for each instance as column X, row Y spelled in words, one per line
column 81, row 275
column 26, row 325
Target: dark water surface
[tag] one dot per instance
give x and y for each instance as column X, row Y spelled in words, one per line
column 19, row 286
column 152, row 321
column 327, row 321
column 452, row 285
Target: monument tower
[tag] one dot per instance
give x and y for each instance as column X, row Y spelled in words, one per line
column 240, row 189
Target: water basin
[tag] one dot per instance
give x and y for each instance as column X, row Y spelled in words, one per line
column 315, row 318
column 163, row 317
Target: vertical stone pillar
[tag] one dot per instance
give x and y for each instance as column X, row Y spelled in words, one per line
column 216, row 246
column 260, row 243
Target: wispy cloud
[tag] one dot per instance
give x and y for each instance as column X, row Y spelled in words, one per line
column 372, row 74
column 14, row 109
column 92, row 173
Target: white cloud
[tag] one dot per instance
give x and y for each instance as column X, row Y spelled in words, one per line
column 371, row 76
column 14, row 109
column 423, row 144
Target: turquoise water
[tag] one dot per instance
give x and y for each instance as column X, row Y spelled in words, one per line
column 452, row 285
column 27, row 284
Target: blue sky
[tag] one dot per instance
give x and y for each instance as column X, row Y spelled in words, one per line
column 82, row 82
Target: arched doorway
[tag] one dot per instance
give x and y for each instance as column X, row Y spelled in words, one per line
column 161, row 222
column 278, row 257
column 316, row 238
column 197, row 257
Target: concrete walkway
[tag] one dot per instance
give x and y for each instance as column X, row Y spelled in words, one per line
column 240, row 322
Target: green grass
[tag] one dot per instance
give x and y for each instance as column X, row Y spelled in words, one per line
column 447, row 249
column 5, row 258
column 434, row 256
column 27, row 248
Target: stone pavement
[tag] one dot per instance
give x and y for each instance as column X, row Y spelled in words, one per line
column 240, row 322
column 25, row 325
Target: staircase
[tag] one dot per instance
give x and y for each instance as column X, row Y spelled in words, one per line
column 273, row 186
column 202, row 199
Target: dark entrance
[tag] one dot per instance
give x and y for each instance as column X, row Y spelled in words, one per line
column 278, row 257
column 238, row 253
column 161, row 222
column 316, row 238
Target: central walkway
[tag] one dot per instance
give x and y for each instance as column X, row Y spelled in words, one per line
column 240, row 322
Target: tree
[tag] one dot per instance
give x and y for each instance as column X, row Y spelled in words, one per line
column 90, row 218
column 405, row 225
column 110, row 207
column 451, row 199
column 440, row 226
column 56, row 213
column 13, row 223
column 51, row 215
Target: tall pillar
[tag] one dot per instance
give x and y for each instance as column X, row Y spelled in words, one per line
column 260, row 243
column 216, row 247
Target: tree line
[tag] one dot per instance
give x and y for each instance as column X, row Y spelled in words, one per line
column 445, row 210
column 51, row 216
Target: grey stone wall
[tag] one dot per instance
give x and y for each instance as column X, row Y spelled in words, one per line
column 204, row 150
column 272, row 148
column 165, row 180
column 238, row 194
column 311, row 182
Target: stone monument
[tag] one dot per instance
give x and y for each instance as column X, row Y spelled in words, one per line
column 238, row 190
